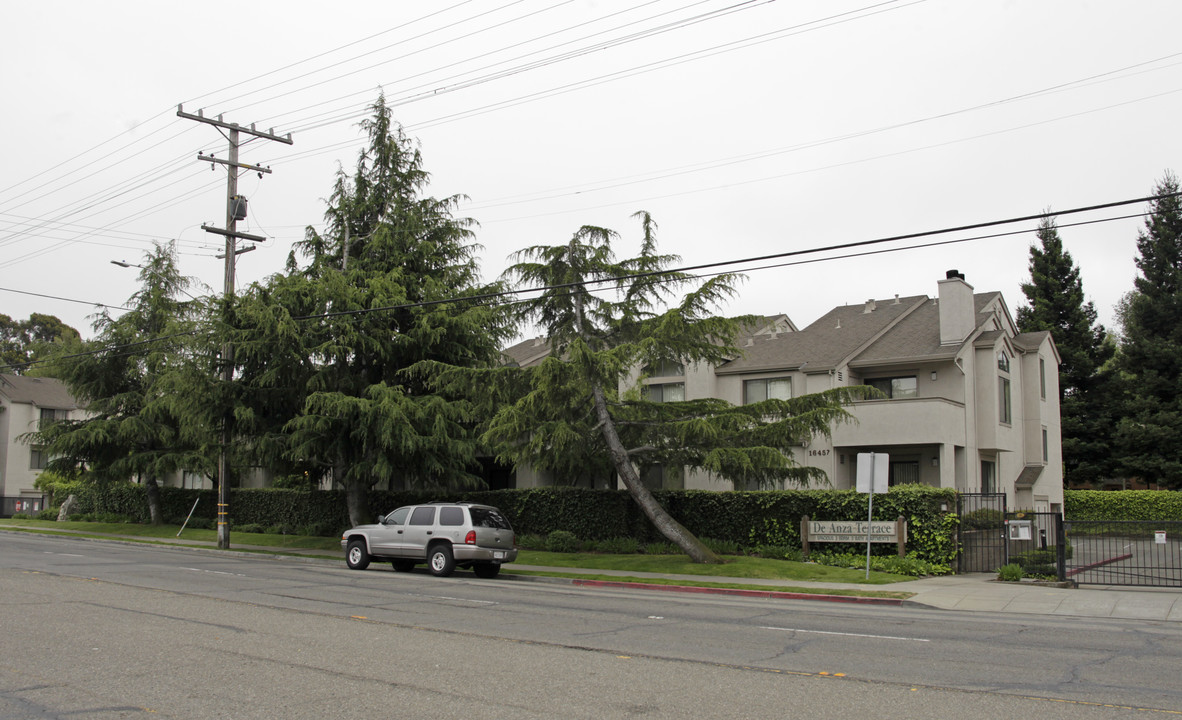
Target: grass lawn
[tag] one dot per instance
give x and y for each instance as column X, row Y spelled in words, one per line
column 735, row 567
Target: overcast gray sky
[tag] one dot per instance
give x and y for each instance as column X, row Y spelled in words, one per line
column 745, row 128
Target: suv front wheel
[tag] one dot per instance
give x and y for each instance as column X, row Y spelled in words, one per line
column 356, row 556
column 441, row 561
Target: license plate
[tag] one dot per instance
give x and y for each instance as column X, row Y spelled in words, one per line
column 499, row 555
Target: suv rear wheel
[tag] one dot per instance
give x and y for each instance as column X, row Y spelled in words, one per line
column 440, row 560
column 356, row 556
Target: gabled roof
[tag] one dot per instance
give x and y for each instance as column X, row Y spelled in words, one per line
column 917, row 337
column 527, row 352
column 42, row 392
column 825, row 344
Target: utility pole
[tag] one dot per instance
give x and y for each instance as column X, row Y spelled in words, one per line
column 235, row 210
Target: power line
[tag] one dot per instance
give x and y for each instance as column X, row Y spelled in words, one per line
column 683, row 271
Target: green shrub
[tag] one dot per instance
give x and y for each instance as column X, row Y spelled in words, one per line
column 531, row 541
column 562, row 541
column 1010, row 573
column 722, row 547
column 661, row 548
column 251, row 528
column 49, row 514
column 984, row 519
column 777, row 552
column 1122, row 505
column 911, row 565
column 20, row 516
column 618, row 546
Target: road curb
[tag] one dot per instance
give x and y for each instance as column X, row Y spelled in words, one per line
column 766, row 594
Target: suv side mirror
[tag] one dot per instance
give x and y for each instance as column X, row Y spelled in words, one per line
column 381, row 519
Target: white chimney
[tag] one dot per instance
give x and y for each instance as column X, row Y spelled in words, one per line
column 957, row 314
column 870, row 305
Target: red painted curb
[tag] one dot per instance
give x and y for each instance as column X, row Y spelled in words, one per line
column 774, row 594
column 1102, row 563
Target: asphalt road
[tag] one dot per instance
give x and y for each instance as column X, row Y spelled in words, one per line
column 105, row 630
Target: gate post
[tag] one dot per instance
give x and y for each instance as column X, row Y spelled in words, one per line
column 1060, row 547
column 804, row 537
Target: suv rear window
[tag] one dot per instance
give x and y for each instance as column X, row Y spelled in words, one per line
column 451, row 516
column 488, row 518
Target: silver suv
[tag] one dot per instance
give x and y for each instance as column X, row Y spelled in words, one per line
column 443, row 535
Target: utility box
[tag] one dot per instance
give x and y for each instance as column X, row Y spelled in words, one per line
column 238, row 207
column 1020, row 529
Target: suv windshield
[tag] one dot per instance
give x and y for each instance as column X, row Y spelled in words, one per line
column 488, row 518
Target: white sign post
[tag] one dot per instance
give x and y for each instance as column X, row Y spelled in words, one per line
column 872, row 478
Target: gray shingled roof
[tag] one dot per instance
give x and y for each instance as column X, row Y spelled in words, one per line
column 42, row 392
column 528, row 352
column 917, row 336
column 825, row 343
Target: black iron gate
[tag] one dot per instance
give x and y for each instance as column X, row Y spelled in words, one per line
column 982, row 532
column 1123, row 552
column 1032, row 542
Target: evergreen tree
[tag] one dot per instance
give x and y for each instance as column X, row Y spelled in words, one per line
column 131, row 429
column 1150, row 434
column 322, row 349
column 1057, row 304
column 569, row 408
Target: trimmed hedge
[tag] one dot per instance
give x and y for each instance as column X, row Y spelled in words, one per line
column 1122, row 505
column 747, row 519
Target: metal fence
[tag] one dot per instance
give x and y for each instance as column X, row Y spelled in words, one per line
column 1123, row 552
column 1033, row 540
column 10, row 506
column 981, row 536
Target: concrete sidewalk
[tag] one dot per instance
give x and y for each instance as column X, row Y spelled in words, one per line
column 978, row 592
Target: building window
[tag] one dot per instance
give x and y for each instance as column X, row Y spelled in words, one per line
column 49, row 415
column 895, row 387
column 665, row 368
column 1042, row 378
column 38, row 458
column 988, row 476
column 771, row 389
column 192, row 480
column 1003, row 361
column 666, row 392
column 903, row 473
column 1005, row 409
column 660, row 477
column 1046, row 454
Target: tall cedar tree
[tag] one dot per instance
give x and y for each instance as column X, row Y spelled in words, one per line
column 131, row 429
column 570, row 407
column 1149, row 436
column 1057, row 303
column 322, row 348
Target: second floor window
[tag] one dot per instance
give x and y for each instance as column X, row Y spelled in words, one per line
column 665, row 368
column 666, row 392
column 1005, row 409
column 903, row 386
column 770, row 389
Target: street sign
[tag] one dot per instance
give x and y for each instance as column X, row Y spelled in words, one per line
column 872, row 472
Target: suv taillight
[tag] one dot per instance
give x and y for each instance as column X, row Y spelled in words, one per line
column 470, row 538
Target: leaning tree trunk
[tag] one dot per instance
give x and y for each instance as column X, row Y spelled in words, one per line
column 154, row 510
column 661, row 519
column 356, row 494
